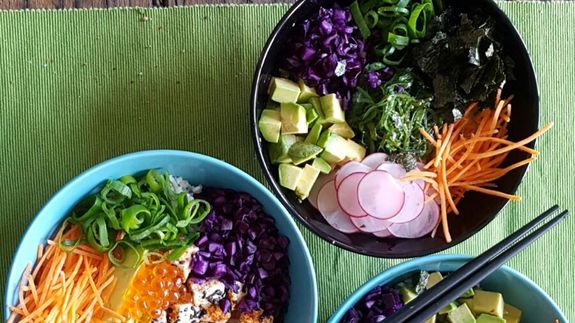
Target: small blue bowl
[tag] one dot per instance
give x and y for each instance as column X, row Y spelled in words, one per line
column 517, row 290
column 196, row 168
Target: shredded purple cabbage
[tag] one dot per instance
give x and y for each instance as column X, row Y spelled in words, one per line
column 328, row 53
column 374, row 307
column 240, row 243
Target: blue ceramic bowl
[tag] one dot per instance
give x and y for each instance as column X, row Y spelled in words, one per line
column 517, row 290
column 197, row 169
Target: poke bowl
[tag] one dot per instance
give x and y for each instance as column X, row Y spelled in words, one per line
column 504, row 296
column 162, row 236
column 354, row 104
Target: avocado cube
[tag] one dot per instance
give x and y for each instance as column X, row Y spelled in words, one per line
column 335, row 149
column 468, row 293
column 282, row 90
column 450, row 307
column 511, row 314
column 306, row 92
column 433, row 279
column 300, row 152
column 293, row 118
column 331, row 109
column 461, row 314
column 323, row 138
column 289, row 175
column 342, row 129
column 270, row 125
column 314, row 134
column 278, row 152
column 469, row 302
column 322, row 165
column 488, row 303
column 306, row 181
column 354, row 151
column 432, row 319
column 310, row 113
column 486, row 318
column 407, row 295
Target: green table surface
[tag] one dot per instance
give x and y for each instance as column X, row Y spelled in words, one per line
column 80, row 87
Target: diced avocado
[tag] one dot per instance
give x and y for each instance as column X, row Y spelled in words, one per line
column 289, row 175
column 407, row 295
column 270, row 125
column 300, row 152
column 306, row 181
column 331, row 109
column 293, row 117
column 431, row 319
column 511, row 314
column 433, row 279
column 450, row 307
column 342, row 129
column 322, row 165
column 335, row 149
column 306, row 92
column 468, row 293
column 283, row 90
column 461, row 314
column 272, row 105
column 354, row 151
column 488, row 303
column 314, row 134
column 315, row 102
column 310, row 113
column 279, row 151
column 486, row 318
column 469, row 302
column 323, row 138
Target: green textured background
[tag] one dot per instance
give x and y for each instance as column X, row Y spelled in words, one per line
column 79, row 87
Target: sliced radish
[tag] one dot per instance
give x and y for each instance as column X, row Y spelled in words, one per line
column 347, row 195
column 380, row 195
column 414, row 201
column 383, row 233
column 395, row 170
column 423, row 224
column 317, row 186
column 370, row 224
column 374, row 160
column 330, row 210
column 348, row 169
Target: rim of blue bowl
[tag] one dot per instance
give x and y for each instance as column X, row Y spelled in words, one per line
column 273, row 182
column 159, row 152
column 415, row 263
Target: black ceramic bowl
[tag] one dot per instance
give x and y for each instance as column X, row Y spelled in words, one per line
column 477, row 210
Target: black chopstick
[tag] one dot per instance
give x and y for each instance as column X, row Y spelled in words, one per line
column 469, row 275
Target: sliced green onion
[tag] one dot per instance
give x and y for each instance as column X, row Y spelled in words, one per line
column 359, row 20
column 397, row 41
column 115, row 192
column 111, row 216
column 177, row 253
column 125, row 248
column 128, row 180
column 155, row 180
column 133, row 217
column 393, row 11
column 144, row 232
column 374, row 67
column 418, row 20
column 95, row 208
column 371, row 19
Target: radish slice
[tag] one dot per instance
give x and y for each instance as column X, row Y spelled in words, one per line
column 348, row 169
column 380, row 195
column 420, row 226
column 413, row 205
column 383, row 233
column 395, row 170
column 317, row 186
column 370, row 224
column 347, row 195
column 330, row 210
column 374, row 160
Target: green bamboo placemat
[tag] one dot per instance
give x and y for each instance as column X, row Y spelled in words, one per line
column 79, row 87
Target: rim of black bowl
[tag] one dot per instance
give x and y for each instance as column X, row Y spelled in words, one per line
column 289, row 18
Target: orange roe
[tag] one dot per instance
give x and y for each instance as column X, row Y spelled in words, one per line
column 153, row 289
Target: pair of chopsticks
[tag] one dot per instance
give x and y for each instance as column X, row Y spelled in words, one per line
column 468, row 276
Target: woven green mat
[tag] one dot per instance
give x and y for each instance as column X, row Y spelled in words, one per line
column 79, row 87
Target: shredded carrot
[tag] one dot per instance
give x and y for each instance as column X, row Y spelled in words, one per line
column 468, row 155
column 65, row 285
